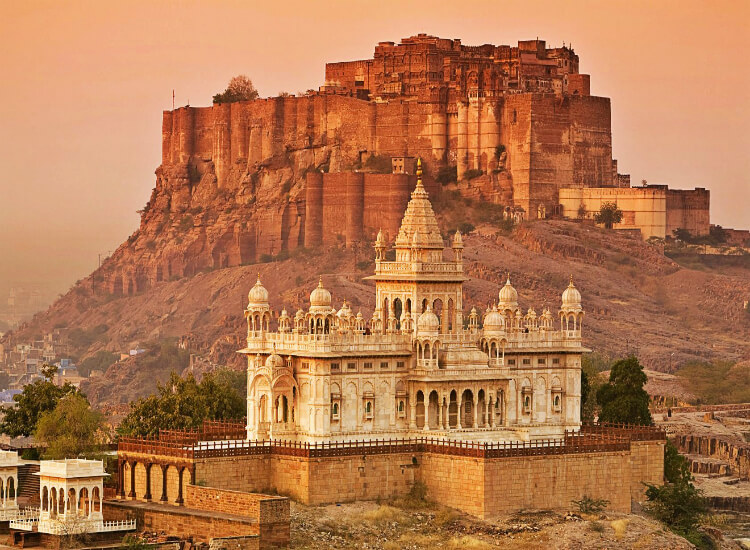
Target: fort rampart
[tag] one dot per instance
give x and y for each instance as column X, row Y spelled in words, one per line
column 482, row 479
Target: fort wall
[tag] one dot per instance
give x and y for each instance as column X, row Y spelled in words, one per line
column 351, row 206
column 472, row 478
column 237, row 137
column 655, row 210
column 233, row 182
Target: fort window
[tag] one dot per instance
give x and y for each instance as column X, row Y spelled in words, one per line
column 335, row 366
column 351, row 366
column 368, row 409
column 384, row 364
column 401, row 409
column 555, row 360
column 335, row 411
column 511, row 361
column 400, row 364
column 368, row 365
column 515, row 116
column 527, row 404
column 305, row 365
column 541, row 361
column 526, row 361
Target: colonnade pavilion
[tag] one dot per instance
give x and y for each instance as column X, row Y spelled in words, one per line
column 417, row 367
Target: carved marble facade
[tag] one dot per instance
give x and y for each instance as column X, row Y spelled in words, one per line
column 417, row 366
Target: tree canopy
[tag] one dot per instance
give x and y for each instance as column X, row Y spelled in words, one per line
column 36, row 399
column 609, row 214
column 183, row 403
column 240, row 88
column 71, row 429
column 678, row 503
column 623, row 398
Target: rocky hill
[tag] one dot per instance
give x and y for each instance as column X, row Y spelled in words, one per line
column 636, row 299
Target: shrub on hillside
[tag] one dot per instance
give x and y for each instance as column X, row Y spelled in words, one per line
column 447, row 174
column 473, row 173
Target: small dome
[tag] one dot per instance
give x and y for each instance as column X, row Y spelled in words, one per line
column 299, row 315
column 274, row 361
column 359, row 315
column 458, row 241
column 284, row 314
column 345, row 311
column 380, row 239
column 507, row 297
column 473, row 311
column 258, row 295
column 493, row 322
column 428, row 321
column 320, row 297
column 571, row 298
column 531, row 313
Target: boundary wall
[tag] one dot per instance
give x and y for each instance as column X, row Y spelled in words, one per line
column 482, row 479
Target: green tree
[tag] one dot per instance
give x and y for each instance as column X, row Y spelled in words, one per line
column 240, row 88
column 183, row 403
column 36, row 399
column 623, row 398
column 676, row 466
column 591, row 381
column 609, row 214
column 678, row 503
column 70, row 429
column 100, row 361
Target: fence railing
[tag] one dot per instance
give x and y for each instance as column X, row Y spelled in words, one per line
column 595, row 438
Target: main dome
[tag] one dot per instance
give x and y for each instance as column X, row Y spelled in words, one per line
column 571, row 298
column 320, row 297
column 507, row 297
column 258, row 295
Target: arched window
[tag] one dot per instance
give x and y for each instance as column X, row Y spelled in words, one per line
column 368, row 407
column 527, row 402
column 557, row 401
column 335, row 409
column 397, row 310
column 401, row 406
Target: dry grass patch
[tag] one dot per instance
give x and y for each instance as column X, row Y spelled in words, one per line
column 445, row 517
column 620, row 526
column 412, row 540
column 384, row 514
column 472, row 543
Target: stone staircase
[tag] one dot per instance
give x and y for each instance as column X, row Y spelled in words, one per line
column 28, row 485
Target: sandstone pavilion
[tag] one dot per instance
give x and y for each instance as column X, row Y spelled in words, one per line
column 418, row 367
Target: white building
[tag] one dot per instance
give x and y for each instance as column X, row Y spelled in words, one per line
column 71, row 493
column 418, row 366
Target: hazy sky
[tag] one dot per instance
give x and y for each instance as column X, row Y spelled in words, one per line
column 84, row 85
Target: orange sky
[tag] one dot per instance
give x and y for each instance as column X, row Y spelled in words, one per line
column 84, row 85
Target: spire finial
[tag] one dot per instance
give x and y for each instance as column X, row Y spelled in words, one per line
column 571, row 280
column 320, row 282
column 419, row 173
column 258, row 276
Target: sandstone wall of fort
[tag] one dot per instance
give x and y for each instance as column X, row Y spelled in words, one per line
column 482, row 486
column 181, row 522
column 232, row 185
column 655, row 210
